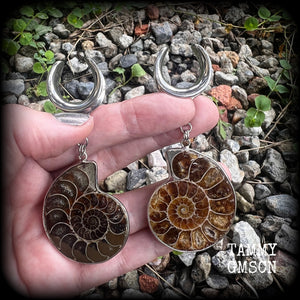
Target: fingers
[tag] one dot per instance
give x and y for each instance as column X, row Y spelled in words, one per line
column 144, row 116
column 120, row 155
column 40, row 135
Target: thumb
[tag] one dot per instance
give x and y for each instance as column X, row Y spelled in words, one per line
column 40, row 135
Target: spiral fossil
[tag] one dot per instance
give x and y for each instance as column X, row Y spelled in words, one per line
column 196, row 208
column 84, row 223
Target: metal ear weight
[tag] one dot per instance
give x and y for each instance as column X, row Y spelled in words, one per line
column 191, row 212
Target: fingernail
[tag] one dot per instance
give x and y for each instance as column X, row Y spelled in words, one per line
column 74, row 119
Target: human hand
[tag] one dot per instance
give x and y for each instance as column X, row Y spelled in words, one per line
column 37, row 147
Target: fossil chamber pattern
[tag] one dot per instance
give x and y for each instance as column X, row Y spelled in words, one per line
column 84, row 223
column 196, row 208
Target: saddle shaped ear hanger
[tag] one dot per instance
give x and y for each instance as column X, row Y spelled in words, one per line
column 203, row 80
column 95, row 98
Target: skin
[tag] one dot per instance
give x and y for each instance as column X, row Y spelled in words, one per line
column 37, row 148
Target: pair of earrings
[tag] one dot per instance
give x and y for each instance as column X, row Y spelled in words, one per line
column 191, row 212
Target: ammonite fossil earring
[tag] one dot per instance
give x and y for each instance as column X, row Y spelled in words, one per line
column 196, row 207
column 84, row 223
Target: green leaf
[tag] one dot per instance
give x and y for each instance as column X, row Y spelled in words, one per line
column 274, row 18
column 281, row 89
column 74, row 21
column 285, row 64
column 10, row 47
column 49, row 107
column 263, row 103
column 260, row 117
column 41, row 89
column 119, row 70
column 42, row 16
column 251, row 112
column 42, row 29
column 137, row 70
column 176, row 252
column 19, row 25
column 49, row 55
column 251, row 24
column 38, row 68
column 264, row 13
column 54, row 12
column 25, row 38
column 271, row 83
column 26, row 11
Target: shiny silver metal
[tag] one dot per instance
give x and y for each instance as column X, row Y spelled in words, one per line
column 201, row 83
column 95, row 98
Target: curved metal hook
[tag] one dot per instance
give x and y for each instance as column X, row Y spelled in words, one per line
column 95, row 98
column 198, row 87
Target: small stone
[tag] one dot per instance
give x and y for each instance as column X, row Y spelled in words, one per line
column 247, row 191
column 95, row 55
column 61, row 31
column 222, row 260
column 128, row 60
column 223, row 94
column 271, row 225
column 13, row 86
column 245, row 235
column 148, row 284
column 23, row 63
column 201, row 268
column 162, row 32
column 261, row 191
column 242, row 204
column 136, row 178
column 187, row 258
column 131, row 293
column 152, row 12
column 216, row 281
column 233, row 56
column 286, row 267
column 116, row 182
column 76, row 66
column 240, row 129
column 230, row 160
column 87, row 45
column 84, row 89
column 283, row 205
column 274, row 166
column 125, row 41
column 135, row 92
column 251, row 169
column 156, row 174
column 130, row 280
column 155, row 159
column 227, row 79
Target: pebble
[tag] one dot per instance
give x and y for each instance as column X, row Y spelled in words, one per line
column 227, row 79
column 136, row 178
column 274, row 166
column 222, row 260
column 201, row 267
column 135, row 92
column 76, row 66
column 271, row 225
column 230, row 160
column 283, row 205
column 155, row 159
column 128, row 60
column 187, row 258
column 23, row 63
column 287, row 239
column 216, row 281
column 244, row 234
column 162, row 32
column 116, row 182
column 148, row 284
column 13, row 86
column 61, row 31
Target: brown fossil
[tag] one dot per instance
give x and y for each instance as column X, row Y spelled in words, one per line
column 84, row 223
column 196, row 208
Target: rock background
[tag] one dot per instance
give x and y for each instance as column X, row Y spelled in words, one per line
column 263, row 160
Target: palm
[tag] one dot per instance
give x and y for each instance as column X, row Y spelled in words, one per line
column 39, row 147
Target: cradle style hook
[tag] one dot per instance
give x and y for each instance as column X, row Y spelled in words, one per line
column 95, row 98
column 195, row 89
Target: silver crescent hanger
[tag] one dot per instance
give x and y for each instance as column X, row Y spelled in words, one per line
column 201, row 83
column 95, row 98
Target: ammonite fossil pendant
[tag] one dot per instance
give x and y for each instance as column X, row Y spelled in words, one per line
column 196, row 207
column 84, row 223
